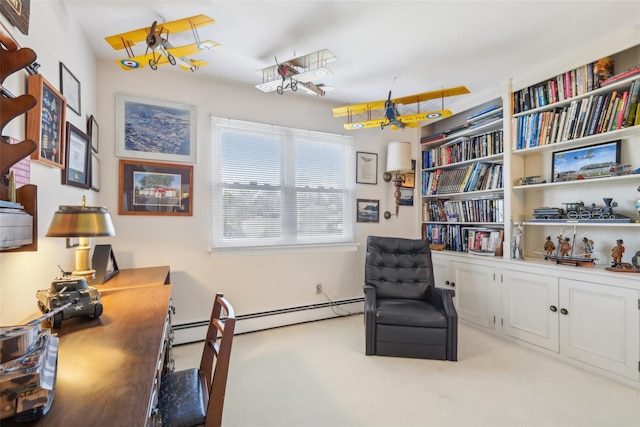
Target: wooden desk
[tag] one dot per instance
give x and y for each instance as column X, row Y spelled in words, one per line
column 108, row 368
column 136, row 278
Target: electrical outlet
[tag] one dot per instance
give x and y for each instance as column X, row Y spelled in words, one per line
column 318, row 288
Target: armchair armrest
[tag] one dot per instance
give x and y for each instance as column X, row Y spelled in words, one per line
column 370, row 319
column 443, row 299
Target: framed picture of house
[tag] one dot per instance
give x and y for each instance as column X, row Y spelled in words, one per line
column 155, row 130
column 46, row 121
column 151, row 188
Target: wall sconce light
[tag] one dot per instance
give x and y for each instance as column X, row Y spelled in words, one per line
column 81, row 222
column 398, row 163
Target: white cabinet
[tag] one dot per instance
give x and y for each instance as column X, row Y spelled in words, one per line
column 476, row 291
column 589, row 322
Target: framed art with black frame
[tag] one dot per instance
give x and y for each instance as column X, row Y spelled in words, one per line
column 593, row 161
column 366, row 168
column 70, row 88
column 46, row 121
column 95, row 172
column 77, row 166
column 368, row 210
column 150, row 188
column 93, row 130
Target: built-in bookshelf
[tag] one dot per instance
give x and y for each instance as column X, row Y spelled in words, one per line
column 602, row 113
column 462, row 176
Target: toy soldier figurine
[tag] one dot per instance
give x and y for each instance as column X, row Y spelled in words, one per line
column 565, row 246
column 587, row 247
column 616, row 253
column 549, row 247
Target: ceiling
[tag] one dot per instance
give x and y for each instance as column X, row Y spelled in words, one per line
column 406, row 46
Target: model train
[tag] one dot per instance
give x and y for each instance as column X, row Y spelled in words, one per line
column 578, row 210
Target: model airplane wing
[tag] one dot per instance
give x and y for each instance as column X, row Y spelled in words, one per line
column 364, row 108
column 410, row 121
column 178, row 52
column 130, row 38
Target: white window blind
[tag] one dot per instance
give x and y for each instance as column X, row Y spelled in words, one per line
column 278, row 186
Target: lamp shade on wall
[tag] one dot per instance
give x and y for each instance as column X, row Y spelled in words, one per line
column 399, row 157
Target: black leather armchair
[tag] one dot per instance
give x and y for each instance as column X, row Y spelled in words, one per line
column 405, row 314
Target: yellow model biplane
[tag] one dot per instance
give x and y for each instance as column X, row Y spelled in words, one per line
column 390, row 115
column 159, row 50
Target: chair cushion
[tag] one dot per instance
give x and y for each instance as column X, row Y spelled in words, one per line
column 181, row 402
column 406, row 312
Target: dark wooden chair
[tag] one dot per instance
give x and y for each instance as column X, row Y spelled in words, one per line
column 195, row 397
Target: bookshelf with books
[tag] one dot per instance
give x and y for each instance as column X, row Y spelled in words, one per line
column 559, row 141
column 462, row 175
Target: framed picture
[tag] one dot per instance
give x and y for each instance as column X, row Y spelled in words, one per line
column 155, row 130
column 104, row 262
column 46, row 121
column 93, row 130
column 366, row 168
column 76, row 166
column 70, row 88
column 368, row 210
column 594, row 161
column 150, row 188
column 406, row 197
column 95, row 172
column 408, row 179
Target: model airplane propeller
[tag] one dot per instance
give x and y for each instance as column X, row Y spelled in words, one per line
column 159, row 50
column 301, row 71
column 390, row 115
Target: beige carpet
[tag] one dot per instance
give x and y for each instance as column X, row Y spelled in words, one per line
column 316, row 374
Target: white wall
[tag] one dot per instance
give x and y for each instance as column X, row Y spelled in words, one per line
column 252, row 282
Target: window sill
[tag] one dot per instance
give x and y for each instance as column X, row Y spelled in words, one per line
column 277, row 250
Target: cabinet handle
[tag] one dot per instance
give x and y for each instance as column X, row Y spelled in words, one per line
column 446, row 283
column 564, row 311
column 453, row 284
column 553, row 308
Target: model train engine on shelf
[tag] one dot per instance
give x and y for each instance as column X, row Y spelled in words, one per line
column 579, row 211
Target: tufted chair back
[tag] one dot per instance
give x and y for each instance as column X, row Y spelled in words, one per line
column 399, row 268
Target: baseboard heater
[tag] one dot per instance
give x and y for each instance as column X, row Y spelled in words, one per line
column 186, row 333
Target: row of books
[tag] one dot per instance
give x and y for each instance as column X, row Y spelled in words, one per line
column 477, row 210
column 475, row 177
column 464, row 149
column 457, row 238
column 487, row 115
column 588, row 116
column 564, row 86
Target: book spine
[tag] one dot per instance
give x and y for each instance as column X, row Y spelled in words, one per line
column 624, row 75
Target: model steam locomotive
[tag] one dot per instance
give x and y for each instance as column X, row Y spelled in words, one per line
column 579, row 211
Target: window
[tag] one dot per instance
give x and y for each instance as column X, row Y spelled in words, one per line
column 278, row 186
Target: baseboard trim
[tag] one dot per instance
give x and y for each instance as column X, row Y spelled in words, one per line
column 187, row 333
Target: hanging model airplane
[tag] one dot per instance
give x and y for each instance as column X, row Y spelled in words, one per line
column 390, row 115
column 159, row 50
column 301, row 71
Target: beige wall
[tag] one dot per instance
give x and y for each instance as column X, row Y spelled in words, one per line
column 253, row 282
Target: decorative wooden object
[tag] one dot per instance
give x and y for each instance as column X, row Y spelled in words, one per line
column 13, row 59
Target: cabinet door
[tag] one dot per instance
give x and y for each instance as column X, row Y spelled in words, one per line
column 530, row 308
column 601, row 326
column 474, row 293
column 441, row 276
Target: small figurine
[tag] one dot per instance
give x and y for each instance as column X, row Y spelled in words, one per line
column 565, row 246
column 549, row 247
column 616, row 253
column 638, row 204
column 516, row 249
column 587, row 247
